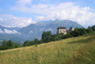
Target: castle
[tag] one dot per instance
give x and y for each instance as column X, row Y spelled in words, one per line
column 63, row 30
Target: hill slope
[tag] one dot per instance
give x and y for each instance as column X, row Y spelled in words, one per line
column 77, row 50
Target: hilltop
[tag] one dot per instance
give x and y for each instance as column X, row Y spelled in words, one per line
column 75, row 50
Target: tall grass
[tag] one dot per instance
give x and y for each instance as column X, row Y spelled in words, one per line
column 85, row 55
column 58, row 52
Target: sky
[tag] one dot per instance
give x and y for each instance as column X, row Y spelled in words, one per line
column 21, row 13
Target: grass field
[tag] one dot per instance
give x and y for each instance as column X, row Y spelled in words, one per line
column 76, row 50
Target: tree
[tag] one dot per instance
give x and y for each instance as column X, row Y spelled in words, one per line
column 7, row 45
column 55, row 37
column 82, row 31
column 36, row 41
column 39, row 41
column 66, row 36
column 10, row 44
column 46, row 36
column 89, row 30
column 78, row 32
column 32, row 42
column 26, row 43
column 93, row 28
column 74, row 33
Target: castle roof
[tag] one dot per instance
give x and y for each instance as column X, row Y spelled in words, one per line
column 61, row 28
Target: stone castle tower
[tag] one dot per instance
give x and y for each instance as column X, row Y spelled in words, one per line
column 71, row 29
column 63, row 30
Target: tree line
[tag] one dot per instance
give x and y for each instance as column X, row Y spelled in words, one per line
column 47, row 36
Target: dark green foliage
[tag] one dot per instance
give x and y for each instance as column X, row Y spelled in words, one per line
column 8, row 45
column 0, row 47
column 74, row 33
column 93, row 28
column 39, row 41
column 66, row 36
column 46, row 36
column 36, row 41
column 89, row 30
column 78, row 32
column 26, row 43
column 32, row 42
column 55, row 37
column 29, row 43
column 82, row 31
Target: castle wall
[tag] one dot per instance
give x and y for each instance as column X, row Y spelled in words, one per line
column 71, row 29
column 64, row 31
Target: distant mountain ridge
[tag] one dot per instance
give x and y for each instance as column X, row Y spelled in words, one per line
column 35, row 30
column 8, row 35
column 9, row 28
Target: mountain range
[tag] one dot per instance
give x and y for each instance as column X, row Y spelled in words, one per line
column 19, row 35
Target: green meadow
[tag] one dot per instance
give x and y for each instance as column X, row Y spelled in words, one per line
column 75, row 50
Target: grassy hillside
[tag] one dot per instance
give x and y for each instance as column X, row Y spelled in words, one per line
column 77, row 50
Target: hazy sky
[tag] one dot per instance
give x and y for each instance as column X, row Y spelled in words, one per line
column 20, row 13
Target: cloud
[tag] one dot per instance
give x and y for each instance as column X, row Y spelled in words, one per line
column 1, row 31
column 12, row 21
column 1, row 19
column 6, row 31
column 39, row 17
column 25, row 2
column 22, row 5
column 62, row 11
